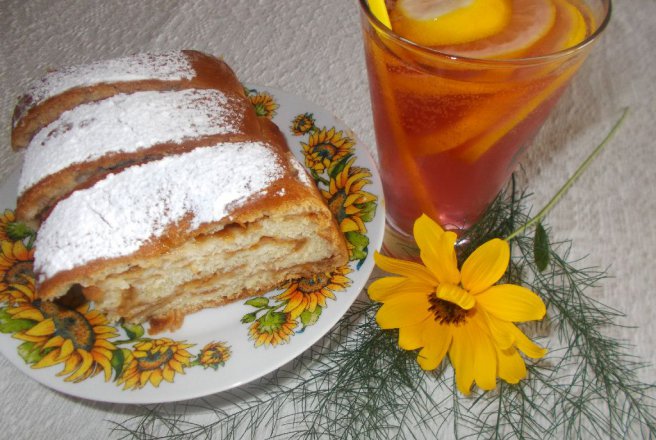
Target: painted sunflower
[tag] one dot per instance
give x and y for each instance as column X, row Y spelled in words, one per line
column 6, row 218
column 16, row 263
column 153, row 360
column 347, row 200
column 20, row 292
column 272, row 328
column 302, row 124
column 440, row 309
column 325, row 148
column 214, row 355
column 308, row 293
column 79, row 338
column 264, row 104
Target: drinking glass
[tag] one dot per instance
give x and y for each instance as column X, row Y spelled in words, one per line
column 450, row 129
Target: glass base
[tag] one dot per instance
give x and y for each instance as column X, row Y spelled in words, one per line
column 399, row 245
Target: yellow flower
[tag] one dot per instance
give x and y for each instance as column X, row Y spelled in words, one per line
column 308, row 293
column 264, row 104
column 6, row 219
column 325, row 148
column 16, row 263
column 79, row 337
column 214, row 355
column 347, row 200
column 154, row 360
column 302, row 124
column 272, row 328
column 441, row 309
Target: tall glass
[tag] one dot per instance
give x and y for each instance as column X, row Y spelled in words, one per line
column 450, row 129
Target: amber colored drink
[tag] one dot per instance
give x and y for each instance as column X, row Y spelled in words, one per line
column 452, row 121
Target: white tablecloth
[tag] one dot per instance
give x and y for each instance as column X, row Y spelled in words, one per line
column 313, row 48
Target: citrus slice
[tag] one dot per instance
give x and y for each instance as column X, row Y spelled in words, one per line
column 441, row 22
column 379, row 9
column 571, row 28
column 488, row 140
column 530, row 21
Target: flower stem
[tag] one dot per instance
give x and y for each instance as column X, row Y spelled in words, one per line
column 556, row 198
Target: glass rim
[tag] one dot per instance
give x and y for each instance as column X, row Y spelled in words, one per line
column 533, row 59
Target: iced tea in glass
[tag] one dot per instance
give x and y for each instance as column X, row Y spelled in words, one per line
column 454, row 108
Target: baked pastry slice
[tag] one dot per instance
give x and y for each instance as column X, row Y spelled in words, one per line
column 93, row 139
column 64, row 89
column 199, row 229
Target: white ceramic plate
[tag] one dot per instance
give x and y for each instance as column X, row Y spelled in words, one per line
column 216, row 349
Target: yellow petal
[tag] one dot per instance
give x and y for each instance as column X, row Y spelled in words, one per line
column 387, row 288
column 407, row 269
column 106, row 366
column 528, row 347
column 455, row 295
column 349, row 225
column 28, row 313
column 502, row 335
column 437, row 339
column 462, row 358
column 485, row 358
column 294, row 302
column 437, row 249
column 512, row 303
column 176, row 366
column 87, row 361
column 410, row 337
column 20, row 251
column 485, row 266
column 43, row 328
column 511, row 365
column 169, row 374
column 50, row 359
column 71, row 365
column 66, row 349
column 7, row 248
column 156, row 378
column 403, row 311
column 55, row 341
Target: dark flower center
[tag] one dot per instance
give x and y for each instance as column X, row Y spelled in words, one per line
column 19, row 272
column 336, row 205
column 325, row 150
column 70, row 324
column 155, row 359
column 313, row 284
column 446, row 312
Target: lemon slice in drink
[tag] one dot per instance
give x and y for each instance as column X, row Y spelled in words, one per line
column 530, row 22
column 441, row 22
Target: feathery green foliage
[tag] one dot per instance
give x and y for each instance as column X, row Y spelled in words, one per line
column 357, row 383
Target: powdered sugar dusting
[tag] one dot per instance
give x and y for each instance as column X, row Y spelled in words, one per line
column 126, row 123
column 302, row 173
column 121, row 213
column 166, row 66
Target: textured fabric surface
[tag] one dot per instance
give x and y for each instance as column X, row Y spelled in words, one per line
column 313, row 48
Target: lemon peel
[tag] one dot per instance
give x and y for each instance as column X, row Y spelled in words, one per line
column 379, row 10
column 578, row 30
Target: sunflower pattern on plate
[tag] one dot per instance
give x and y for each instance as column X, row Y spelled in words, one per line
column 78, row 343
column 263, row 103
column 329, row 156
column 70, row 335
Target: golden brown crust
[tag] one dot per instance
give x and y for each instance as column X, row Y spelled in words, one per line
column 34, row 204
column 28, row 118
